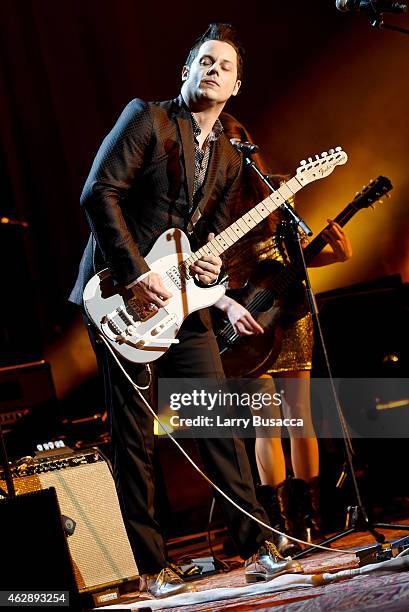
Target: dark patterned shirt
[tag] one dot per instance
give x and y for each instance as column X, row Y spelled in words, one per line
column 202, row 157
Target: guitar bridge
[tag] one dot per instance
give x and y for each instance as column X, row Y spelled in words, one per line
column 125, row 325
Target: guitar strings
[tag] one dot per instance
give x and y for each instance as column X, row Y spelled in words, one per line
column 283, row 279
column 287, row 278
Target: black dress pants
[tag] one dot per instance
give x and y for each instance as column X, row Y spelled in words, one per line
column 224, row 459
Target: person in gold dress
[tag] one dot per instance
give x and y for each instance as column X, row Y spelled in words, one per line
column 292, row 503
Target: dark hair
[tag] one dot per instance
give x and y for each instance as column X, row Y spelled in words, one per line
column 225, row 33
column 252, row 190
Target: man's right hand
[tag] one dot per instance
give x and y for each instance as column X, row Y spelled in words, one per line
column 151, row 290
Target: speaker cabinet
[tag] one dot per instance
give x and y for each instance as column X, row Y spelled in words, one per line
column 37, row 557
column 100, row 551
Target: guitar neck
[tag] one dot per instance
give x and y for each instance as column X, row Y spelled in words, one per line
column 228, row 237
column 319, row 242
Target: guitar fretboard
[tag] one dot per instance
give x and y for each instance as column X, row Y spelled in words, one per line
column 246, row 222
column 319, row 242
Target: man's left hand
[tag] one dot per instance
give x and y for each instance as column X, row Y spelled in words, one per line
column 207, row 268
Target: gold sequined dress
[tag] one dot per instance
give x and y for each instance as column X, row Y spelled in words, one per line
column 297, row 343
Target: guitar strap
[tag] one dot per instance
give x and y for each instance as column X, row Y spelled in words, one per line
column 200, row 198
column 197, row 213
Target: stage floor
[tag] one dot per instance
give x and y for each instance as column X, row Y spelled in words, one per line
column 388, row 592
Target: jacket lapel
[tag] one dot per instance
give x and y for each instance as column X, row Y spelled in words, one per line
column 186, row 134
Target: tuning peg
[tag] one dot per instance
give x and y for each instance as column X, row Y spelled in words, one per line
column 310, row 159
column 331, row 151
column 303, row 162
column 317, row 157
column 338, row 149
column 324, row 154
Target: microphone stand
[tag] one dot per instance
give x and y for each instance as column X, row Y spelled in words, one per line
column 357, row 516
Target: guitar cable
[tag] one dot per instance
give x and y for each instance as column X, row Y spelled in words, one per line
column 138, row 389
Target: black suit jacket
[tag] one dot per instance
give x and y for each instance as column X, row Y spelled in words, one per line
column 141, row 183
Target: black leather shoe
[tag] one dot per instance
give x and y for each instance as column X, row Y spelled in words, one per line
column 267, row 563
column 166, row 583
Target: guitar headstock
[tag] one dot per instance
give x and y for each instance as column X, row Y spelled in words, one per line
column 313, row 169
column 372, row 192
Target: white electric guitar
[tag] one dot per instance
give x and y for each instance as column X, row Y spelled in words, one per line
column 141, row 334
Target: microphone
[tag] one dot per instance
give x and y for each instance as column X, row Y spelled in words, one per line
column 370, row 6
column 248, row 148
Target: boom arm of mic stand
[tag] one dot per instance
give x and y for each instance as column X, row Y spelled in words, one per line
column 381, row 25
column 376, row 20
column 291, row 212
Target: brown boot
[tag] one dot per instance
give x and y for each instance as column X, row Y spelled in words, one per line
column 273, row 501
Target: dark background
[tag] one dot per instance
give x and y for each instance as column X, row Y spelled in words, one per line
column 314, row 79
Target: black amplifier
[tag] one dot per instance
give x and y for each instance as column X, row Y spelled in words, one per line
column 101, row 554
